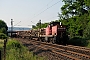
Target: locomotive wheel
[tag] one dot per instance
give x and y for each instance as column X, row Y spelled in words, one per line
column 40, row 39
column 46, row 39
column 30, row 38
column 53, row 41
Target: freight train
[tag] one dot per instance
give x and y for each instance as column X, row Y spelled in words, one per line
column 55, row 32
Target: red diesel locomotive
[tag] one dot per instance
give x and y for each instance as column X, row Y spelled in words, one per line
column 55, row 32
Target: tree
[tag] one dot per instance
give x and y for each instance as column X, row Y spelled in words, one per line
column 87, row 2
column 43, row 25
column 76, row 15
column 3, row 27
column 73, row 8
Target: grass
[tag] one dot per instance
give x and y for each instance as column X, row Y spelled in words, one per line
column 88, row 44
column 16, row 51
column 1, row 43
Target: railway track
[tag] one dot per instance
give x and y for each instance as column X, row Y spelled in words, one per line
column 64, row 52
column 56, row 49
column 73, row 48
column 79, row 47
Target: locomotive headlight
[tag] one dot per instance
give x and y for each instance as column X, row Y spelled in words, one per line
column 61, row 26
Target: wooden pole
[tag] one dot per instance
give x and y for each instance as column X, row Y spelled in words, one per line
column 5, row 41
column 0, row 55
column 11, row 27
column 39, row 28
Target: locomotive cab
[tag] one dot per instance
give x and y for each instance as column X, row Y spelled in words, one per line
column 50, row 27
column 59, row 32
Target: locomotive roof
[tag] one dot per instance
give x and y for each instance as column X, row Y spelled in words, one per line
column 54, row 23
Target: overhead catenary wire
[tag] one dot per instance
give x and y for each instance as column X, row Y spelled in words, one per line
column 17, row 23
column 33, row 22
column 46, row 9
column 45, row 6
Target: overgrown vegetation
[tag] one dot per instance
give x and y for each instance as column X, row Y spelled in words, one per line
column 16, row 51
column 78, row 41
column 1, row 44
column 3, row 36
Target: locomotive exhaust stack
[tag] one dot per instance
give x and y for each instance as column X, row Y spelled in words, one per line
column 60, row 23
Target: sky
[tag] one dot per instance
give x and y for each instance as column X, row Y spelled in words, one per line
column 26, row 13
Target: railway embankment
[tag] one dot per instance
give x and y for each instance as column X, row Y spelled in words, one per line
column 56, row 52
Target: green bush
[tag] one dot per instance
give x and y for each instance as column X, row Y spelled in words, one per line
column 78, row 41
column 3, row 36
column 13, row 44
column 16, row 51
